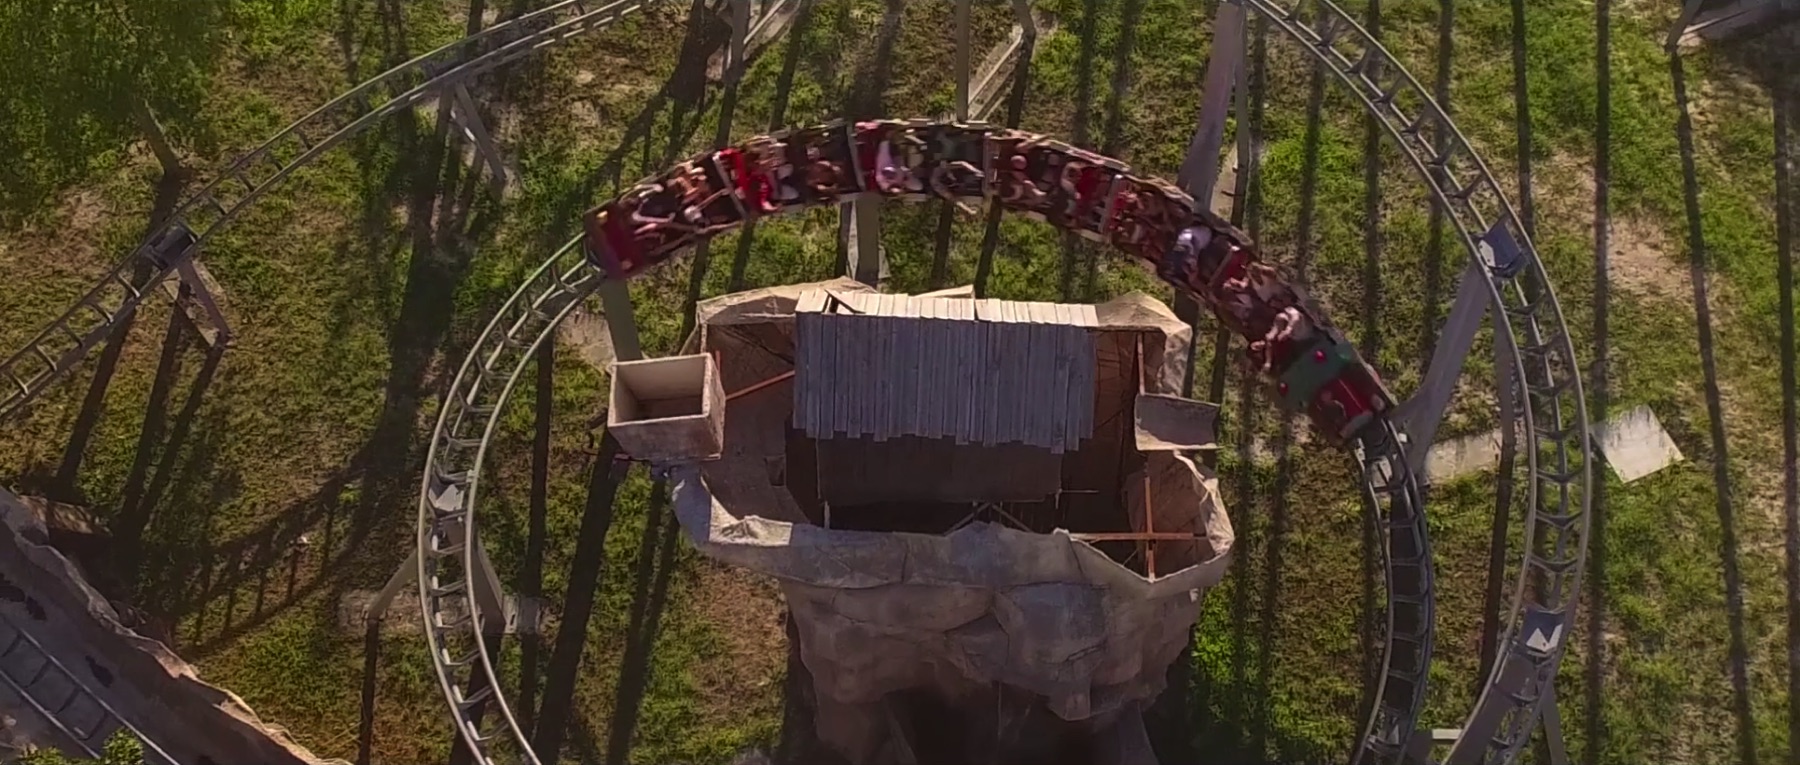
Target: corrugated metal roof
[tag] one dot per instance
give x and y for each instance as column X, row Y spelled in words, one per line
column 979, row 371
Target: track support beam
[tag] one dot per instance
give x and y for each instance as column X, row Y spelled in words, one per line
column 518, row 615
column 1420, row 416
column 197, row 295
column 1224, row 68
column 621, row 320
column 468, row 120
column 1200, row 169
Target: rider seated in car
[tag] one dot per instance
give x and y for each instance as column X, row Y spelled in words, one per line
column 823, row 176
column 1288, row 326
column 941, row 182
column 890, row 176
column 1021, row 190
column 1264, row 279
column 645, row 202
column 696, row 194
column 1180, row 265
column 760, row 160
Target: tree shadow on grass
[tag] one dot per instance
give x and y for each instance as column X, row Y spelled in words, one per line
column 64, row 487
column 1015, row 111
column 1728, row 552
column 684, row 92
column 442, row 230
column 784, row 86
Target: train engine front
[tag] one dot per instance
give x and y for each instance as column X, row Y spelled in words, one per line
column 1310, row 364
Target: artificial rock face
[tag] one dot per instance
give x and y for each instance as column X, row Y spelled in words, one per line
column 45, row 595
column 988, row 620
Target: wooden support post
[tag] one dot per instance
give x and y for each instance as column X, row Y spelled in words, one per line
column 962, row 60
column 197, row 295
column 621, row 320
column 465, row 115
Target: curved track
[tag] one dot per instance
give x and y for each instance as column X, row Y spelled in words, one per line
column 68, row 339
column 1553, row 415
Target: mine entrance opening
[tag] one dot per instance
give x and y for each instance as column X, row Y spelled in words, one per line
column 937, row 486
column 1007, row 727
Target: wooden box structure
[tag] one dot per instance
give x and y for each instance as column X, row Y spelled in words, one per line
column 668, row 409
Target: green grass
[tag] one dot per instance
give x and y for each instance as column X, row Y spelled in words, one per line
column 348, row 331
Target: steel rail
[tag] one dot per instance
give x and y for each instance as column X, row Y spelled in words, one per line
column 1555, row 534
column 1391, row 494
column 1550, row 375
column 459, row 444
column 67, row 340
column 91, row 738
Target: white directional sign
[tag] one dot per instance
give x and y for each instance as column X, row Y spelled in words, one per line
column 1543, row 631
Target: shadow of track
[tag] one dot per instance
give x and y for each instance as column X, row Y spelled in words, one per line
column 784, row 88
column 1015, row 111
column 365, row 726
column 1222, row 707
column 1087, row 28
column 1594, row 738
column 1372, row 609
column 1262, row 724
column 1112, row 131
column 1434, row 243
column 1371, row 274
column 442, row 230
column 63, row 486
column 684, row 92
column 656, row 563
column 553, row 713
column 143, row 491
column 531, row 567
column 1786, row 109
column 865, row 101
column 1728, row 553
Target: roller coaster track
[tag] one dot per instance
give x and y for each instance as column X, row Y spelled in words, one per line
column 1544, row 379
column 67, row 340
column 60, row 698
column 1553, row 417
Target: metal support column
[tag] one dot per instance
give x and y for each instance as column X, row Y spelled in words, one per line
column 740, row 34
column 490, row 600
column 962, row 60
column 1552, row 730
column 860, row 227
column 209, row 320
column 1688, row 11
column 467, row 118
column 1022, row 15
column 200, row 292
column 621, row 320
column 1200, row 169
column 1418, row 417
column 1224, row 67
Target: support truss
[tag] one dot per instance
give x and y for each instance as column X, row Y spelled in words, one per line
column 63, row 344
column 1552, row 413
